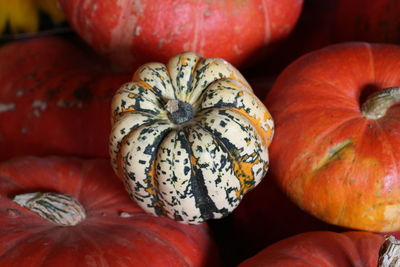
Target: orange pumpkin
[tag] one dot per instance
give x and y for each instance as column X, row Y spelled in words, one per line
column 55, row 98
column 336, row 154
column 104, row 229
column 323, row 249
column 132, row 32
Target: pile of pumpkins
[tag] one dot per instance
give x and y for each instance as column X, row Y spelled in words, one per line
column 203, row 133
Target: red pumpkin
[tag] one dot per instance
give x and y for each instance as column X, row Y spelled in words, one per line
column 115, row 232
column 132, row 32
column 367, row 20
column 350, row 249
column 55, row 98
column 334, row 155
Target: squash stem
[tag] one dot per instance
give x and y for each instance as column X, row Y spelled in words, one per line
column 389, row 254
column 60, row 209
column 179, row 112
column 377, row 104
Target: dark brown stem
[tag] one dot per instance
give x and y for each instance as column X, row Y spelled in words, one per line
column 378, row 103
column 179, row 112
column 389, row 254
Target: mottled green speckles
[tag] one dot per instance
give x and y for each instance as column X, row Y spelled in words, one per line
column 189, row 164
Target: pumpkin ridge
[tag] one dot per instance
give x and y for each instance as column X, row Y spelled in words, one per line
column 371, row 61
column 234, row 159
column 166, row 91
column 116, row 155
column 123, row 140
column 205, row 204
column 131, row 97
column 150, row 172
column 183, row 61
column 190, row 81
column 267, row 24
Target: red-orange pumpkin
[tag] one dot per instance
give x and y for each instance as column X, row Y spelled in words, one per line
column 55, row 98
column 332, row 154
column 115, row 232
column 132, row 32
column 323, row 249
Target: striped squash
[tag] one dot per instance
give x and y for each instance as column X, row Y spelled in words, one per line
column 189, row 138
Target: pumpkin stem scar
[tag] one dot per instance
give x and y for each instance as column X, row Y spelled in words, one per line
column 389, row 253
column 60, row 209
column 179, row 112
column 377, row 104
column 333, row 154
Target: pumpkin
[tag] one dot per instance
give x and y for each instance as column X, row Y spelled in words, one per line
column 189, row 138
column 337, row 139
column 131, row 32
column 367, row 20
column 73, row 212
column 322, row 248
column 54, row 96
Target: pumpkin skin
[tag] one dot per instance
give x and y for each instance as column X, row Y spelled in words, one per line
column 198, row 168
column 349, row 249
column 328, row 157
column 55, row 94
column 106, row 237
column 131, row 32
column 367, row 20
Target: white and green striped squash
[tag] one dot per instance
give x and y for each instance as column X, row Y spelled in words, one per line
column 189, row 138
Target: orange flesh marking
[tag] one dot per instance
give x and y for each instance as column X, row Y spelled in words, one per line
column 244, row 171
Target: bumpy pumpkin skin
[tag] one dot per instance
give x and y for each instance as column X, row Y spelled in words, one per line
column 54, row 96
column 323, row 249
column 115, row 232
column 198, row 169
column 134, row 32
column 331, row 160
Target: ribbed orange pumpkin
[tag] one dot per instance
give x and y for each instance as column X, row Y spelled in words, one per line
column 114, row 231
column 334, row 154
column 132, row 32
column 323, row 249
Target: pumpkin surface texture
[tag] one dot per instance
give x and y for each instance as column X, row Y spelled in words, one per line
column 54, row 96
column 189, row 138
column 132, row 32
column 110, row 230
column 321, row 249
column 337, row 147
